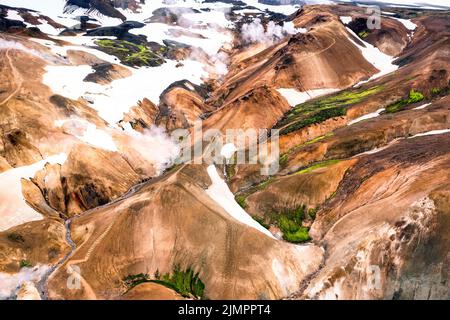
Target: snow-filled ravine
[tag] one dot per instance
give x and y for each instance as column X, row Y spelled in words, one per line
column 381, row 61
column 221, row 194
column 13, row 208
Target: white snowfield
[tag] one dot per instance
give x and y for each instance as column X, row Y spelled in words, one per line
column 13, row 208
column 366, row 116
column 295, row 97
column 113, row 100
column 68, row 80
column 221, row 194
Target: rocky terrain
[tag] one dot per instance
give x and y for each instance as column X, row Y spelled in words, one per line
column 95, row 202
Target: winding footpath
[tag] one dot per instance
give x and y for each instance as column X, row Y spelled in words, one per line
column 16, row 77
column 43, row 284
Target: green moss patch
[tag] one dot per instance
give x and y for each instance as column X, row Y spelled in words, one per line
column 319, row 110
column 25, row 264
column 290, row 223
column 185, row 282
column 363, row 34
column 413, row 97
column 240, row 199
column 435, row 92
column 15, row 237
column 317, row 166
column 261, row 221
column 131, row 54
column 284, row 158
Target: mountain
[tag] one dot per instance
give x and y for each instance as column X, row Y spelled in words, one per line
column 99, row 101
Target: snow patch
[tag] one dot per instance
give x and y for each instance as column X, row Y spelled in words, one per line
column 221, row 194
column 47, row 28
column 430, row 133
column 407, row 23
column 68, row 80
column 375, row 150
column 13, row 208
column 295, row 97
column 422, row 106
column 228, row 150
column 247, row 11
column 345, row 19
column 366, row 116
column 14, row 15
column 283, row 9
column 47, row 7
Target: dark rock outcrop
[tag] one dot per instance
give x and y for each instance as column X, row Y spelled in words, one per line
column 6, row 23
column 121, row 32
column 105, row 7
column 107, row 72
